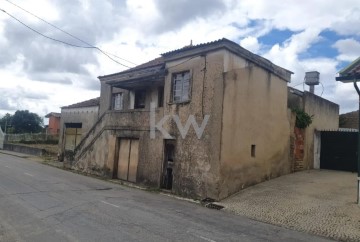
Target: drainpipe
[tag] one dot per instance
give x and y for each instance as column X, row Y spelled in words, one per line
column 358, row 147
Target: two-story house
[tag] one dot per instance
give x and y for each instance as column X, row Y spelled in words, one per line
column 237, row 98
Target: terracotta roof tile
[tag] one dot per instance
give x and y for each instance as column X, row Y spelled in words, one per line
column 57, row 115
column 84, row 104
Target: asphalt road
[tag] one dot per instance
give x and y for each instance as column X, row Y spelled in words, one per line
column 42, row 203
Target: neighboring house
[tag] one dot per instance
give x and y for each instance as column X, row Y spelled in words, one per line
column 245, row 141
column 54, row 123
column 305, row 142
column 349, row 120
column 75, row 122
column 2, row 138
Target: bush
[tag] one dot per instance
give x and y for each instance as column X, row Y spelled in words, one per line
column 303, row 119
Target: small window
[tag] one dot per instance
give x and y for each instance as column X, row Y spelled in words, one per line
column 140, row 98
column 117, row 101
column 160, row 97
column 253, row 150
column 181, row 87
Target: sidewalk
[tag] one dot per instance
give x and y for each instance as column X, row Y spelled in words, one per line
column 319, row 202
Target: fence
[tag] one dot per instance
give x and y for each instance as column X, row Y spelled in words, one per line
column 31, row 138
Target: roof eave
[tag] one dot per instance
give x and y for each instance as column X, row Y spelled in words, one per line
column 248, row 55
column 348, row 78
column 346, row 69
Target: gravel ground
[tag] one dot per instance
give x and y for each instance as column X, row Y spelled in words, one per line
column 320, row 202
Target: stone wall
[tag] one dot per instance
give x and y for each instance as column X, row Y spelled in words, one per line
column 349, row 120
column 29, row 137
column 24, row 149
column 325, row 117
column 196, row 171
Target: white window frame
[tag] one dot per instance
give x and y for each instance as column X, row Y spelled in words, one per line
column 179, row 85
column 118, row 102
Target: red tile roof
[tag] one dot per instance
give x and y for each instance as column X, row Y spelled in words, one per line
column 57, row 115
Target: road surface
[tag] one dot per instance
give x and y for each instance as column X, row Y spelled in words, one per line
column 43, row 203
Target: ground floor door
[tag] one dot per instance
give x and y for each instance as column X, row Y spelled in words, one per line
column 338, row 150
column 73, row 133
column 167, row 174
column 128, row 159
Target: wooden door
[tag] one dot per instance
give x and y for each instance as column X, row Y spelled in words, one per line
column 123, row 163
column 72, row 138
column 133, row 160
column 128, row 159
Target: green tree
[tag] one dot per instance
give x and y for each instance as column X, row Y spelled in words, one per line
column 24, row 121
column 5, row 122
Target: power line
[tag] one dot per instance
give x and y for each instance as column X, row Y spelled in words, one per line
column 65, row 32
column 45, row 36
column 298, row 84
column 183, row 62
column 60, row 41
column 120, row 58
column 323, row 89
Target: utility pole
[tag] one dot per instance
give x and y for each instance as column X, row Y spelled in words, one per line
column 349, row 74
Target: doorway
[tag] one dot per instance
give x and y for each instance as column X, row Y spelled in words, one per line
column 167, row 174
column 128, row 157
column 72, row 135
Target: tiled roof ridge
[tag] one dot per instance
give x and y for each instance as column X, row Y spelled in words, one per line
column 190, row 47
column 87, row 103
column 154, row 62
column 208, row 46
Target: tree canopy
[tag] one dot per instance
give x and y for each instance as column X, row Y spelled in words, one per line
column 22, row 121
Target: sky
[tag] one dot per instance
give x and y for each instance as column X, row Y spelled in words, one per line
column 42, row 75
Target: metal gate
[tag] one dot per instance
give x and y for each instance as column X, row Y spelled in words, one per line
column 338, row 150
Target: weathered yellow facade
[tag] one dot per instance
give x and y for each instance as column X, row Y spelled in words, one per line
column 245, row 141
column 255, row 127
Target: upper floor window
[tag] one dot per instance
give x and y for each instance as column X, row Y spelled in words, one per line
column 181, row 87
column 161, row 96
column 117, row 101
column 140, row 98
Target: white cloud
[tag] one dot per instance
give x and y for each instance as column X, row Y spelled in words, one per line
column 349, row 49
column 127, row 29
column 250, row 43
column 348, row 23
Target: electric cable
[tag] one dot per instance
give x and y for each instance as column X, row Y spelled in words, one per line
column 323, row 89
column 64, row 42
column 183, row 62
column 65, row 32
column 298, row 84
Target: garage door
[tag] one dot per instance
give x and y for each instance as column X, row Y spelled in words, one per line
column 128, row 159
column 338, row 150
